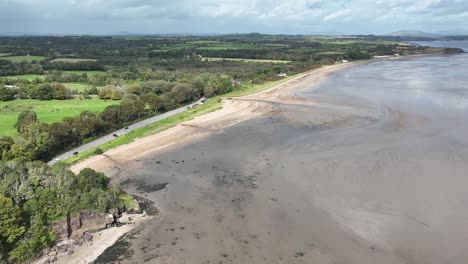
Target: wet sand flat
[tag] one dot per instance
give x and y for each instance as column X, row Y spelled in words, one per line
column 351, row 171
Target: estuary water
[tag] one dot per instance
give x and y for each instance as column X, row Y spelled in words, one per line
column 371, row 168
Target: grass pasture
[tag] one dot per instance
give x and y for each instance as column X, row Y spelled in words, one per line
column 246, row 60
column 47, row 111
column 29, row 77
column 71, row 60
column 89, row 73
column 227, row 46
column 330, row 53
column 23, row 58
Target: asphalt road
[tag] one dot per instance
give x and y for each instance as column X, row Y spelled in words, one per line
column 121, row 132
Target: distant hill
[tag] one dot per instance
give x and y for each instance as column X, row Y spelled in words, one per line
column 414, row 33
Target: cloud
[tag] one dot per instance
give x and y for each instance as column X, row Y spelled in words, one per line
column 337, row 14
column 227, row 16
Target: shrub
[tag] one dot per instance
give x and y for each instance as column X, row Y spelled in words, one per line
column 98, row 151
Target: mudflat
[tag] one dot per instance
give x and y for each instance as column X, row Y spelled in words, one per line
column 316, row 170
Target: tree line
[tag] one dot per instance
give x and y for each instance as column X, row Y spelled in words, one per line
column 42, row 91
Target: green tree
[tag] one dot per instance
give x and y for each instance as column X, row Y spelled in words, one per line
column 89, row 124
column 111, row 92
column 42, row 91
column 182, row 93
column 38, row 136
column 89, row 179
column 60, row 136
column 154, row 102
column 111, row 116
column 10, row 225
column 131, row 107
column 60, row 92
column 24, row 120
column 5, row 146
column 7, row 94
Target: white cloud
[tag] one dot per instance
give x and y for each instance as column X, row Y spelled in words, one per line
column 270, row 16
column 336, row 15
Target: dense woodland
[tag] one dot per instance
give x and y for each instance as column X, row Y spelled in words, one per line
column 34, row 195
column 148, row 76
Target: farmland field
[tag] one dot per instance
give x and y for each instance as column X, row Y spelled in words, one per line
column 31, row 77
column 71, row 60
column 89, row 73
column 28, row 77
column 24, row 58
column 47, row 111
column 246, row 60
column 233, row 46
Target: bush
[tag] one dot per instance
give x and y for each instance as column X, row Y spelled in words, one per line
column 98, row 151
column 7, row 94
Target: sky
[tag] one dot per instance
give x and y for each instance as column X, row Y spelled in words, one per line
column 232, row 16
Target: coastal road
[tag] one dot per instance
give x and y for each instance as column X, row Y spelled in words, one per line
column 122, row 131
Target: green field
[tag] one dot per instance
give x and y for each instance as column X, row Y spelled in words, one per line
column 232, row 46
column 31, row 77
column 24, row 58
column 330, row 53
column 47, row 111
column 79, row 87
column 28, row 77
column 72, row 60
column 245, row 60
column 89, row 73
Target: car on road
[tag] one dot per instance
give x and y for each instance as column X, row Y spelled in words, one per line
column 75, row 153
column 115, row 135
